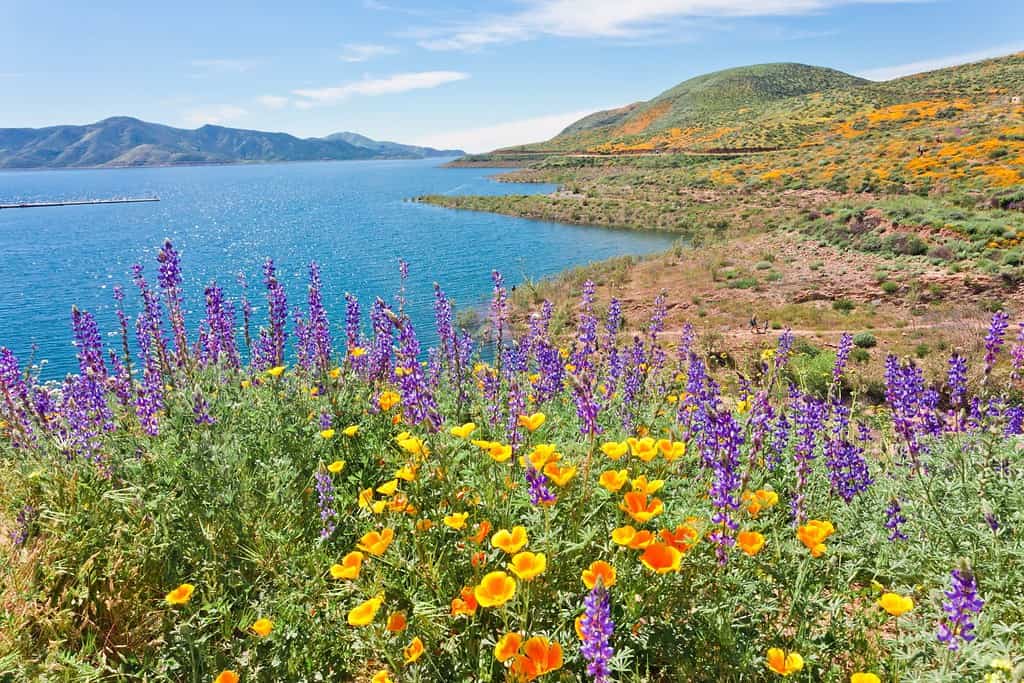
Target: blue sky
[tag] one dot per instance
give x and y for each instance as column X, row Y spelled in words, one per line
column 475, row 75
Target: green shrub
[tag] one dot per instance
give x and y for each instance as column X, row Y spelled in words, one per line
column 864, row 340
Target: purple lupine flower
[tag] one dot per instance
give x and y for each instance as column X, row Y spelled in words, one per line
column 23, row 523
column 685, row 344
column 86, row 417
column 847, row 468
column 326, row 420
column 905, row 394
column 88, row 343
column 403, row 277
column 1014, row 421
column 122, row 320
column 842, row 355
column 962, row 604
column 381, row 320
column 325, row 501
column 540, row 494
column 894, row 520
column 490, row 388
column 612, row 323
column 551, row 370
column 269, row 349
column 809, row 418
column 587, row 408
column 597, row 628
column 632, row 384
column 149, row 330
column 499, row 310
column 956, row 381
column 149, row 399
column 14, row 400
column 451, row 346
column 169, row 279
column 201, row 410
column 656, row 354
column 586, row 331
column 319, row 329
column 782, row 351
column 418, row 402
column 726, row 483
column 217, row 330
column 994, row 339
column 353, row 322
column 513, row 364
column 991, row 520
column 120, row 380
column 780, row 440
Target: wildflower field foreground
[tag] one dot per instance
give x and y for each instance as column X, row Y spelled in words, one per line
column 601, row 506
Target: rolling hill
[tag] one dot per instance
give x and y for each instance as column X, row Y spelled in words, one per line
column 126, row 141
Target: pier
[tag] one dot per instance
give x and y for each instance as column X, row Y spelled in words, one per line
column 80, row 202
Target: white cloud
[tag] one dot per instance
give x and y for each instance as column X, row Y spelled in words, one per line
column 225, row 66
column 611, row 19
column 273, row 101
column 884, row 73
column 487, row 138
column 396, row 83
column 217, row 115
column 364, row 52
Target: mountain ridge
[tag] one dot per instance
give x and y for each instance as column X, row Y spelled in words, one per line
column 121, row 141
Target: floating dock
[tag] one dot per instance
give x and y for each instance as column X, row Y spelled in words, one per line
column 80, row 202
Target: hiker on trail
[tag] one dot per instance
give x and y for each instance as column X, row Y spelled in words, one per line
column 753, row 323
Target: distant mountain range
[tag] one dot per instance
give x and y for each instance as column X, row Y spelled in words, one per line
column 126, row 141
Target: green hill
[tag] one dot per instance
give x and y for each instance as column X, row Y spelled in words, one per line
column 126, row 141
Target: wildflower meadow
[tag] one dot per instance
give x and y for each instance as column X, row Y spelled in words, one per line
column 310, row 498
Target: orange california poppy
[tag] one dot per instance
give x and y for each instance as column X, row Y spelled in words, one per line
column 661, row 558
column 639, row 508
column 377, row 542
column 507, row 646
column 510, row 541
column 413, row 651
column 465, row 604
column 539, row 656
column 495, row 589
column 180, row 595
column 682, row 538
column 598, row 569
column 784, row 663
column 532, row 422
column 750, row 542
column 226, row 676
column 813, row 535
column 365, row 612
column 527, row 566
column 560, row 476
column 615, row 449
column 482, row 529
column 613, row 480
column 397, row 622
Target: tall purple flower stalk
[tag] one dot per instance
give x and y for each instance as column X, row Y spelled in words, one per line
column 994, row 339
column 418, row 400
column 597, row 628
column 842, row 356
column 217, row 331
column 15, row 408
column 499, row 311
column 847, row 468
column 961, row 606
column 325, row 502
column 169, row 278
column 201, row 410
column 809, row 417
column 894, row 521
column 318, row 347
column 540, row 493
column 726, row 480
column 270, row 345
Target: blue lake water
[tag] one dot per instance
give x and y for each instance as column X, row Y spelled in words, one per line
column 351, row 217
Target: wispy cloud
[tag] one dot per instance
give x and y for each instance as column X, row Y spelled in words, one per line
column 225, row 66
column 273, row 101
column 884, row 73
column 396, row 83
column 506, row 134
column 610, row 19
column 363, row 52
column 216, row 114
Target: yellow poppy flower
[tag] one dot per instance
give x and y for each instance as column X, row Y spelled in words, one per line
column 507, row 647
column 613, row 480
column 510, row 541
column 276, row 371
column 351, row 430
column 336, row 466
column 499, row 452
column 326, row 433
column 365, row 612
column 376, row 543
column 532, row 422
column 527, row 565
column 180, row 595
column 388, row 400
column 413, row 650
column 382, row 676
column 895, row 604
column 865, row 678
column 463, row 431
column 262, row 627
column 495, row 589
column 750, row 542
column 349, row 567
column 388, row 488
column 784, row 663
column 560, row 476
column 642, row 485
column 598, row 570
column 356, row 352
column 456, row 520
column 615, row 449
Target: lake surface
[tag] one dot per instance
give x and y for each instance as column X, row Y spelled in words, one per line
column 351, row 217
